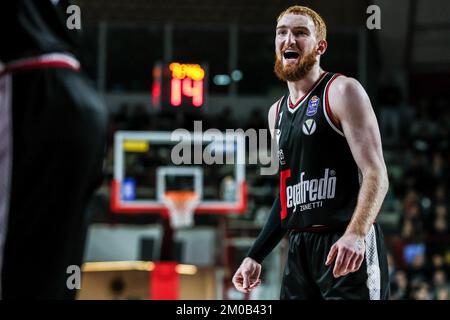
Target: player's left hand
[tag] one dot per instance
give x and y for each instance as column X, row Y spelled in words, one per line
column 349, row 254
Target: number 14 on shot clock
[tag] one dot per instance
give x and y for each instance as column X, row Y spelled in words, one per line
column 179, row 85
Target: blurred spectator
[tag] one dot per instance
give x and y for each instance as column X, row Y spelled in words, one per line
column 439, row 220
column 411, row 198
column 439, row 170
column 440, row 194
column 439, row 278
column 412, row 224
column 399, row 286
column 441, row 223
column 441, row 285
column 442, row 293
column 437, row 261
column 417, row 267
column 423, row 127
column 421, row 291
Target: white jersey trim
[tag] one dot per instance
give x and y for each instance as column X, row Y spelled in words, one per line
column 292, row 110
column 373, row 266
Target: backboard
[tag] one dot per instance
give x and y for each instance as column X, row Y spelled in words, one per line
column 147, row 165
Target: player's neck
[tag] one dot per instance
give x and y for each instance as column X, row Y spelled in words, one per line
column 298, row 89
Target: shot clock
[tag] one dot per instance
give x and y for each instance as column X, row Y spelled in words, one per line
column 179, row 86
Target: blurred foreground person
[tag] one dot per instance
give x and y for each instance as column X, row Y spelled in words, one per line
column 52, row 143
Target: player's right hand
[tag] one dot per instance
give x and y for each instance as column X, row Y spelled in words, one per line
column 247, row 275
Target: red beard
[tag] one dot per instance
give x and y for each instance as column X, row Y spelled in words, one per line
column 294, row 72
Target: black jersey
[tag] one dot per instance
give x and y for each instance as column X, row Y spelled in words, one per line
column 319, row 179
column 33, row 27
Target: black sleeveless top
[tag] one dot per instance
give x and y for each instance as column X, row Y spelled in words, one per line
column 30, row 28
column 319, row 179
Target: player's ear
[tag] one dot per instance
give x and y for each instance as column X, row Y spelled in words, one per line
column 322, row 47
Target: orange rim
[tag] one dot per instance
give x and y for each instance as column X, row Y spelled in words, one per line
column 181, row 198
column 180, row 195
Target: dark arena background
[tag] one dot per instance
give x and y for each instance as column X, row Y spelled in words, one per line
column 165, row 65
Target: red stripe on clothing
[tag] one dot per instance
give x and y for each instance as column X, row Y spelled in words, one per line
column 42, row 62
column 283, row 176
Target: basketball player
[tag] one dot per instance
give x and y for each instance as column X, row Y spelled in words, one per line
column 52, row 142
column 332, row 176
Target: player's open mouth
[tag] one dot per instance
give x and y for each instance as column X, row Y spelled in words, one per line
column 291, row 56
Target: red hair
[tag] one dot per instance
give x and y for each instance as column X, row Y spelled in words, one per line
column 321, row 27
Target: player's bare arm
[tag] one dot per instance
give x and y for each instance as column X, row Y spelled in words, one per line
column 246, row 278
column 352, row 109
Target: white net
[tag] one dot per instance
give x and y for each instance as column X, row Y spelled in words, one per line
column 181, row 206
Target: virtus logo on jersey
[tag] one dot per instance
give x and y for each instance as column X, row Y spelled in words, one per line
column 309, row 127
column 308, row 194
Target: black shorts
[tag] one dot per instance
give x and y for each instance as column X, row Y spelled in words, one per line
column 58, row 146
column 307, row 277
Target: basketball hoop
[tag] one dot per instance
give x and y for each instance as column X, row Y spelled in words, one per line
column 181, row 206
